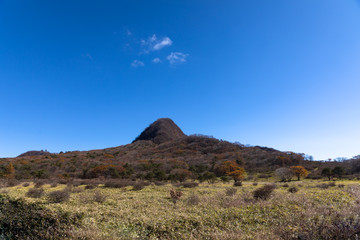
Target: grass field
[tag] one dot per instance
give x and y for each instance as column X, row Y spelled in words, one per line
column 212, row 211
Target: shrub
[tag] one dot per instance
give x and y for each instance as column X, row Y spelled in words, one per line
column 237, row 184
column 323, row 186
column 225, row 179
column 39, row 184
column 264, row 176
column 35, row 193
column 284, row 174
column 335, row 226
column 175, row 195
column 264, row 192
column 63, row 181
column 99, row 197
column 210, row 177
column 54, row 184
column 189, row 184
column 293, row 189
column 118, row 183
column 77, row 190
column 179, row 174
column 139, row 185
column 22, row 220
column 341, row 185
column 90, row 186
column 285, row 185
column 77, row 183
column 230, row 191
column 159, row 183
column 193, row 199
column 250, row 177
column 332, row 184
column 3, row 184
column 26, row 184
column 114, row 171
column 59, row 196
column 12, row 183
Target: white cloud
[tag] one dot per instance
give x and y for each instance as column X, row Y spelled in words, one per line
column 177, row 57
column 163, row 43
column 87, row 55
column 156, row 60
column 137, row 63
column 155, row 44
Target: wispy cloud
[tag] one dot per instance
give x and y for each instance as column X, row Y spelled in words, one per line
column 87, row 55
column 155, row 44
column 177, row 57
column 163, row 43
column 137, row 63
column 156, row 60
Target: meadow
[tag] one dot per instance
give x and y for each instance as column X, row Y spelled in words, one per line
column 309, row 209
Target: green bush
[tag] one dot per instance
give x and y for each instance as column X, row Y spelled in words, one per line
column 22, row 220
column 225, row 179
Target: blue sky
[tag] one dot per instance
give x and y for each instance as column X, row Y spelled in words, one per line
column 81, row 75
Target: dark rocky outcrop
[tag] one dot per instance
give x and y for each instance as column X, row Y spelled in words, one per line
column 160, row 131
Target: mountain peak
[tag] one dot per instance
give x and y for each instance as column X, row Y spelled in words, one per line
column 162, row 130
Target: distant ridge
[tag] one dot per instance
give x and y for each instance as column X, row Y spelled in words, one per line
column 160, row 131
column 158, row 153
column 34, row 153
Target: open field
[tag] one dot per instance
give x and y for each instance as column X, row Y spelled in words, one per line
column 211, row 211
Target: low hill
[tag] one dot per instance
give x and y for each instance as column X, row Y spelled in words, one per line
column 160, row 152
column 34, row 153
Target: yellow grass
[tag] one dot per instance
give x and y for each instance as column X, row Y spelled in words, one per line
column 150, row 213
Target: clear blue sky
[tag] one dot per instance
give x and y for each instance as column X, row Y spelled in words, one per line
column 81, row 75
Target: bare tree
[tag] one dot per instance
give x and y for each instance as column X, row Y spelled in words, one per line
column 284, row 174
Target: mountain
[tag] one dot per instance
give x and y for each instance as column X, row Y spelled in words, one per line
column 161, row 151
column 160, row 131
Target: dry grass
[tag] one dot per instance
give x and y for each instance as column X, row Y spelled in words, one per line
column 206, row 212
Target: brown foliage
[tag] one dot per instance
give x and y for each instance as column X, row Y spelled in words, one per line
column 59, row 196
column 175, row 195
column 264, row 192
column 35, row 193
column 10, row 171
column 299, row 171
